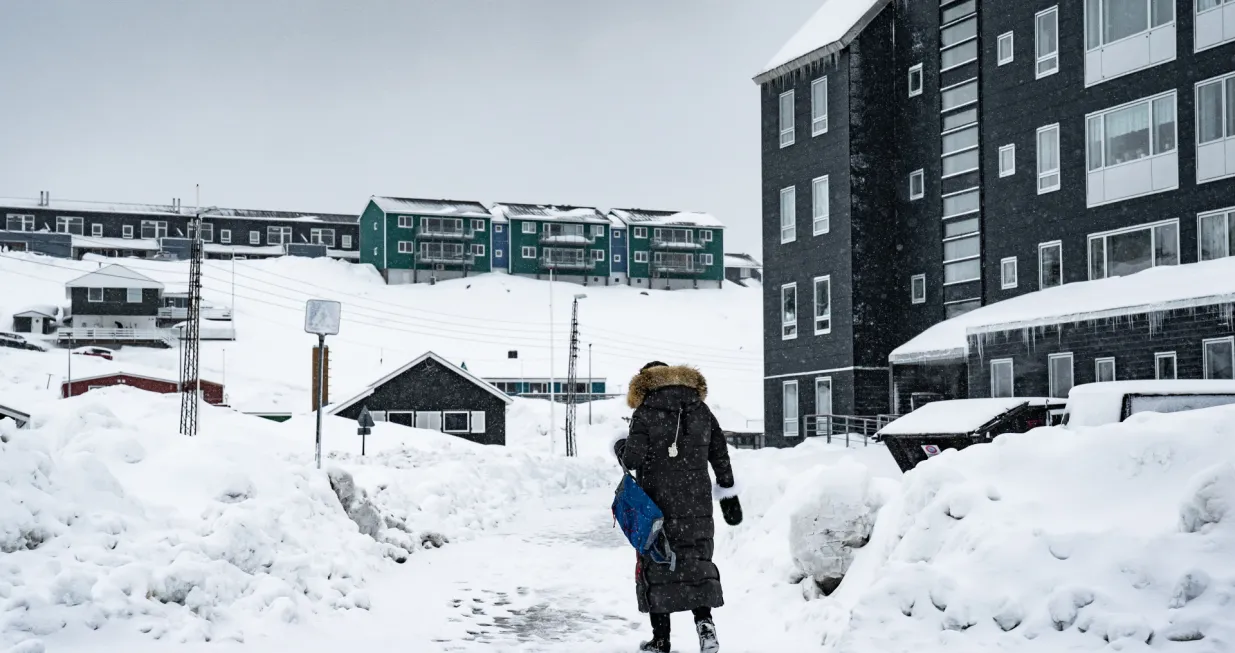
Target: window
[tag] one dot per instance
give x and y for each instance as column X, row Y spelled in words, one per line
column 70, row 225
column 255, row 238
column 478, row 224
column 915, row 80
column 322, row 237
column 529, row 227
column 1104, row 370
column 16, row 222
column 1059, row 374
column 1001, row 378
column 617, row 258
column 96, row 230
column 407, row 247
column 1007, row 273
column 959, row 95
column 789, row 406
column 1216, row 27
column 1107, row 21
column 1164, row 365
column 641, row 257
column 1007, row 160
column 598, row 231
column 1131, row 132
column 442, row 252
column 788, row 218
column 960, row 119
column 818, row 107
column 705, row 259
column 478, row 249
column 958, row 32
column 1215, row 127
column 641, row 232
column 917, row 288
column 823, row 395
column 598, row 255
column 1050, row 264
column 406, row 222
column 953, row 309
column 960, row 259
column 497, row 228
column 960, row 203
column 347, row 242
column 819, row 206
column 455, row 421
column 497, row 253
column 1005, row 51
column 1128, row 251
column 133, row 295
column 823, row 305
column 959, row 55
column 959, row 164
column 94, row 294
column 954, row 228
column 1046, row 42
column 786, row 119
column 528, row 252
column 225, row 236
column 278, row 235
column 127, row 231
column 1048, row 158
column 1220, row 358
column 446, row 226
column 152, row 229
column 1216, row 235
column 917, row 185
column 789, row 311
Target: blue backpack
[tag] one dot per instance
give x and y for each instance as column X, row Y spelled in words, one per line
column 642, row 521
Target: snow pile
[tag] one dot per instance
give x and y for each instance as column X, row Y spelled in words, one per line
column 834, row 520
column 1055, row 540
column 108, row 514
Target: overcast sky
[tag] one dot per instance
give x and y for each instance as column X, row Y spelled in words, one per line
column 315, row 105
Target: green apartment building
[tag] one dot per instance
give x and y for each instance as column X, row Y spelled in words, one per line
column 423, row 240
column 571, row 242
column 672, row 250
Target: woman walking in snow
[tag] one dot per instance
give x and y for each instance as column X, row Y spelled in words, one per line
column 673, row 437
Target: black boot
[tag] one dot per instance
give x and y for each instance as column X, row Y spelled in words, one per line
column 707, row 636
column 655, row 646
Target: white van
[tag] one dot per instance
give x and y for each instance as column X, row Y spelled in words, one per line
column 1095, row 404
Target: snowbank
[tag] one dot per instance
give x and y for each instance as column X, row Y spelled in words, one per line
column 833, row 521
column 1054, row 540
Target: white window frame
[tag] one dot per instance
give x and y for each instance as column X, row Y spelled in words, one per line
column 1052, row 57
column 132, row 295
column 346, row 241
column 1152, row 228
column 25, row 222
column 1011, row 367
column 788, row 220
column 824, row 382
column 820, row 220
column 497, row 253
column 641, row 257
column 598, row 231
column 965, row 191
column 65, row 224
column 818, row 121
column 1149, row 102
column 598, row 255
column 96, row 230
column 826, row 318
column 1007, row 37
column 617, row 258
column 255, row 237
column 920, row 176
column 1010, row 169
column 916, row 281
column 1041, row 248
column 1102, row 43
column 528, row 227
column 1223, row 82
column 406, row 247
column 1044, row 175
column 528, row 251
column 478, row 224
column 317, row 236
column 640, row 232
column 478, row 249
column 1205, row 352
column 705, row 235
column 971, row 42
column 1097, row 368
column 1198, row 12
column 916, row 70
column 1228, row 220
column 285, row 235
column 225, row 236
column 1050, row 379
column 467, row 414
column 126, row 231
column 706, row 259
column 1166, row 355
column 787, row 133
column 407, row 221
column 90, row 295
column 1008, row 281
column 788, row 328
column 790, row 426
column 943, row 92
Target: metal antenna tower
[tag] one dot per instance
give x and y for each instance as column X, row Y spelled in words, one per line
column 572, row 379
column 190, row 334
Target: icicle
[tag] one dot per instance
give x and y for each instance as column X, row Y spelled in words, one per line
column 1156, row 319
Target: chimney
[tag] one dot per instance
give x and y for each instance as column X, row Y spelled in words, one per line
column 47, row 198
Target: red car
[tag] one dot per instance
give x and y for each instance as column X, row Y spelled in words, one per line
column 101, row 352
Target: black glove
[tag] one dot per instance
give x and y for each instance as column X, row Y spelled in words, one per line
column 619, row 447
column 731, row 510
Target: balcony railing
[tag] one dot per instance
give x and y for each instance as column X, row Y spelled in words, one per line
column 567, row 264
column 207, row 313
column 446, row 234
column 87, row 334
column 445, row 259
column 662, row 243
column 678, row 268
column 579, row 240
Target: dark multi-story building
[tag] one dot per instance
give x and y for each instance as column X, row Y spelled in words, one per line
column 953, row 156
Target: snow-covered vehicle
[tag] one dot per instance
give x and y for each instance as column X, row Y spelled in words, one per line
column 19, row 341
column 101, row 352
column 959, row 423
column 1095, row 404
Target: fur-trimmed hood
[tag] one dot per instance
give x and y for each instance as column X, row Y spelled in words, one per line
column 655, row 378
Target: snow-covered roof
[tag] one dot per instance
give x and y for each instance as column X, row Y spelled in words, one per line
column 485, row 385
column 1095, row 404
column 648, row 217
column 550, row 212
column 956, row 415
column 109, row 375
column 69, row 207
column 418, row 206
column 833, row 27
column 741, row 261
column 18, row 416
column 134, row 244
column 1162, row 288
column 45, row 310
column 114, row 276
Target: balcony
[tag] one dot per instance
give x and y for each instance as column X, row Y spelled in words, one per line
column 673, row 243
column 83, row 336
column 207, row 313
column 678, row 268
column 568, row 240
column 547, row 263
column 443, row 233
column 445, row 259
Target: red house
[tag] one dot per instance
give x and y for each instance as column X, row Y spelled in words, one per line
column 212, row 393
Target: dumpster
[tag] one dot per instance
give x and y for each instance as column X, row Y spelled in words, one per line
column 959, row 423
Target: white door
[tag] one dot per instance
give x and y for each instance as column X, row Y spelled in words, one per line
column 823, row 395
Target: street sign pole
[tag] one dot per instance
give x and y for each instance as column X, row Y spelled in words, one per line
column 321, row 374
column 321, row 317
column 364, row 423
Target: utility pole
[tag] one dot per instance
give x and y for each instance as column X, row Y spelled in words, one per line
column 190, row 381
column 552, row 377
column 590, row 384
column 572, row 379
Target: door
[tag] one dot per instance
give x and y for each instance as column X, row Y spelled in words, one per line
column 823, row 395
